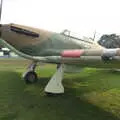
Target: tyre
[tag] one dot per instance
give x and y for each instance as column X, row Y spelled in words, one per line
column 30, row 77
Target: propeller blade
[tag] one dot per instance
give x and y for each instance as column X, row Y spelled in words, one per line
column 1, row 2
column 1, row 9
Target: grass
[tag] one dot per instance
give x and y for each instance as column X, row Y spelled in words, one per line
column 92, row 94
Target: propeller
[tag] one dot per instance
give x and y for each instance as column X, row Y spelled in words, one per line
column 1, row 9
column 1, row 2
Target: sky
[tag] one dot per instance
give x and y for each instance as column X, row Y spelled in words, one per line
column 79, row 16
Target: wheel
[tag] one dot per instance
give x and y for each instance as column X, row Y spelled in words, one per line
column 30, row 77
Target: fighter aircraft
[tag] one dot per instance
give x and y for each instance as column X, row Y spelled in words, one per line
column 62, row 49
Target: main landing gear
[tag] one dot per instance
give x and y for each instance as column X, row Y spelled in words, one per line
column 54, row 85
column 30, row 76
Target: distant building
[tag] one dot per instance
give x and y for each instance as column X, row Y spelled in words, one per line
column 5, row 52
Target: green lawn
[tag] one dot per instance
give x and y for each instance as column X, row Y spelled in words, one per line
column 90, row 95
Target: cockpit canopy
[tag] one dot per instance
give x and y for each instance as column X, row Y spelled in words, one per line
column 76, row 36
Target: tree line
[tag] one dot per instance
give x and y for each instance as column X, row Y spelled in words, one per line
column 110, row 41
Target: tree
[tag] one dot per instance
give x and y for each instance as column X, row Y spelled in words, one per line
column 110, row 41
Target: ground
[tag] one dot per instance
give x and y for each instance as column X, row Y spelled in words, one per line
column 93, row 94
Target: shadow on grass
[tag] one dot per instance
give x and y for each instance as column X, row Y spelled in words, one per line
column 97, row 80
column 20, row 101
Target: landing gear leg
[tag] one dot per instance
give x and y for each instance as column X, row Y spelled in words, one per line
column 30, row 76
column 55, row 86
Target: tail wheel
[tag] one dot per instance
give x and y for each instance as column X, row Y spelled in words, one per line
column 31, row 77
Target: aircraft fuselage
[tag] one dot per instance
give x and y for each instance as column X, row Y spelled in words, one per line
column 36, row 42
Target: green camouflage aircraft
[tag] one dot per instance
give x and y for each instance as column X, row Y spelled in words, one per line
column 64, row 50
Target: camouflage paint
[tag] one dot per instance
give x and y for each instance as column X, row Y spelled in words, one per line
column 49, row 46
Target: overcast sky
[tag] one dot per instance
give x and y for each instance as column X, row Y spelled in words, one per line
column 80, row 16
